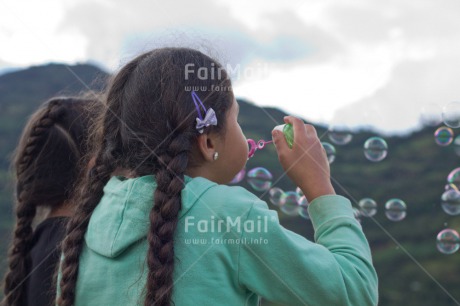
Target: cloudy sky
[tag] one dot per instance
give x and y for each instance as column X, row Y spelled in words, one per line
column 355, row 62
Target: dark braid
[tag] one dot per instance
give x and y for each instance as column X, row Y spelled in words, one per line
column 38, row 134
column 91, row 190
column 18, row 259
column 45, row 130
column 163, row 220
column 76, row 228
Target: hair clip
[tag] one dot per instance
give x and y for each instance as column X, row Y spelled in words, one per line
column 209, row 115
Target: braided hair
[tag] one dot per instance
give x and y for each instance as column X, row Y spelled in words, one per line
column 45, row 166
column 148, row 127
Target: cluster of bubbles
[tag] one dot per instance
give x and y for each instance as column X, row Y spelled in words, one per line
column 294, row 203
column 291, row 203
column 395, row 209
column 375, row 148
column 448, row 240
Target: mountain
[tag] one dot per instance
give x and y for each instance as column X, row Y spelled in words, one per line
column 411, row 271
column 8, row 70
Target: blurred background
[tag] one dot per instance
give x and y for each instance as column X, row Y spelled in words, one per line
column 380, row 68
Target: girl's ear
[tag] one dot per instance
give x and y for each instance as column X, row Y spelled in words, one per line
column 207, row 146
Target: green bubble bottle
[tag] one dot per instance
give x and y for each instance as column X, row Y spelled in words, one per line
column 288, row 132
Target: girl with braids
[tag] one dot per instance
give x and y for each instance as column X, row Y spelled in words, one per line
column 46, row 167
column 174, row 233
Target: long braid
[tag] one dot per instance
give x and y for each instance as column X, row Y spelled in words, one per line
column 38, row 135
column 19, row 259
column 91, row 193
column 91, row 189
column 78, row 225
column 164, row 218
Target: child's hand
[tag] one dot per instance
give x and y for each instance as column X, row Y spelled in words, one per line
column 306, row 163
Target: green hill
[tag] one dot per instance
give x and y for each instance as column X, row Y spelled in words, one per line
column 411, row 271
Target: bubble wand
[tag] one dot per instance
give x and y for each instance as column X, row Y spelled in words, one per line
column 287, row 131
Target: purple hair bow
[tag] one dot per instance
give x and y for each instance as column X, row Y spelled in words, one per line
column 209, row 117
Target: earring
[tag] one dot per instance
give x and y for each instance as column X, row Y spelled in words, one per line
column 215, row 155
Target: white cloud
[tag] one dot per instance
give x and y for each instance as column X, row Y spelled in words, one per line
column 313, row 91
column 135, row 26
column 4, row 65
column 312, row 57
column 28, row 33
column 423, row 44
column 413, row 84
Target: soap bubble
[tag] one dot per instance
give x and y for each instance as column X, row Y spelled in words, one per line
column 291, row 203
column 431, row 115
column 340, row 135
column 375, row 149
column 368, row 207
column 448, row 241
column 443, row 136
column 260, row 179
column 395, row 209
column 450, row 202
column 299, row 192
column 277, row 196
column 239, row 176
column 454, row 178
column 451, row 114
column 330, row 151
column 303, row 207
column 357, row 214
column 457, row 145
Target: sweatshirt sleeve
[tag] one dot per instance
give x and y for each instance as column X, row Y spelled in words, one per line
column 284, row 267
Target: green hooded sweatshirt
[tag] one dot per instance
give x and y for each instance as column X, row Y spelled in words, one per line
column 229, row 250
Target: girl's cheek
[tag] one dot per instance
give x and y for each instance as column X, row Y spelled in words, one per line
column 245, row 145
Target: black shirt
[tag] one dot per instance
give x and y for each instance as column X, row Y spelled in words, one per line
column 45, row 254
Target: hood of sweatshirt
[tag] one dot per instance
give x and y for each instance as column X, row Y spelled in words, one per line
column 122, row 216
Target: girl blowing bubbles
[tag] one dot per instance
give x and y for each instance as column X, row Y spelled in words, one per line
column 128, row 243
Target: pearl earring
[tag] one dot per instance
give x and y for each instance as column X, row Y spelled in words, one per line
column 215, row 155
